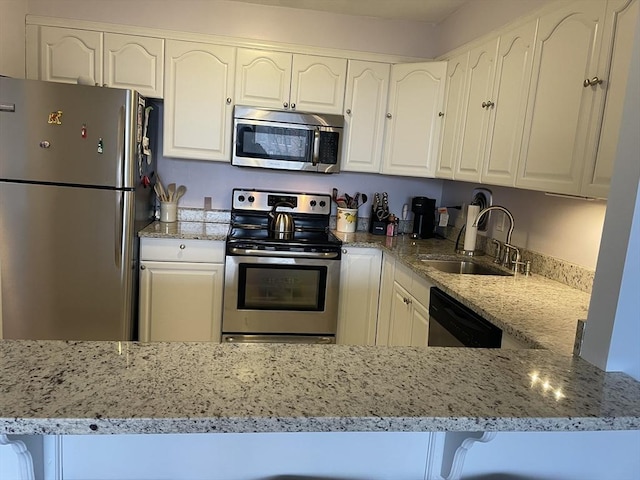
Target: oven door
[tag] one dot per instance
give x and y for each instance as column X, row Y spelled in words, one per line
column 281, row 295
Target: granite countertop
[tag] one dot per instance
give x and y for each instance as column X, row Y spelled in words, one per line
column 186, row 229
column 540, row 312
column 57, row 387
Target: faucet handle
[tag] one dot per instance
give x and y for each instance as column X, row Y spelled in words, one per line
column 498, row 250
column 511, row 255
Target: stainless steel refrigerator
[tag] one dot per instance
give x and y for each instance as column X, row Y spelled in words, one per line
column 75, row 188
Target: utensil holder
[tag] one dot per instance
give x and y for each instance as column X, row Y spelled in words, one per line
column 347, row 220
column 168, row 212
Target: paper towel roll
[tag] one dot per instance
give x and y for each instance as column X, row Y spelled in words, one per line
column 470, row 231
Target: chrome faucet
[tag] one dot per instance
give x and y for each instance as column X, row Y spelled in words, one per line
column 505, row 257
column 502, row 209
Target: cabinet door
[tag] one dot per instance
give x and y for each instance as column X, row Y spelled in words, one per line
column 134, row 62
column 365, row 105
column 67, row 54
column 506, row 122
column 386, row 298
column 400, row 319
column 197, row 103
column 180, row 301
column 559, row 126
column 263, row 78
column 478, row 106
column 318, row 84
column 359, row 293
column 453, row 115
column 419, row 324
column 618, row 38
column 413, row 126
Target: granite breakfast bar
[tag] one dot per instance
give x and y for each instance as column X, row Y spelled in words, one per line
column 139, row 392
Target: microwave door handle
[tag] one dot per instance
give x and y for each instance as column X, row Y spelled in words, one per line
column 316, row 147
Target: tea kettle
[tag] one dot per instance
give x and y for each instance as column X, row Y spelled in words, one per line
column 281, row 224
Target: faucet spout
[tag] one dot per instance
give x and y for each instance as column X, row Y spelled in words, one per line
column 502, row 209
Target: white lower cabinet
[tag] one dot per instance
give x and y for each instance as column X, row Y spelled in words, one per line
column 181, row 286
column 359, row 293
column 408, row 323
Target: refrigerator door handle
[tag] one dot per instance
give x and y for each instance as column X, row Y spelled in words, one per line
column 119, row 242
column 121, row 160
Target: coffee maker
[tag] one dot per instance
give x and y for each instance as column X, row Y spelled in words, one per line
column 424, row 217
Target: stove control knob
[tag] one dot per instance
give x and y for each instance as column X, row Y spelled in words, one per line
column 251, row 198
column 312, row 203
column 241, row 198
column 323, row 203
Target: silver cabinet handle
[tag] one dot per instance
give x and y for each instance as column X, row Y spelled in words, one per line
column 487, row 104
column 344, row 251
column 441, row 114
column 285, row 105
column 228, row 100
column 591, row 82
column 182, row 246
column 348, row 111
column 143, row 267
column 389, row 115
column 293, row 106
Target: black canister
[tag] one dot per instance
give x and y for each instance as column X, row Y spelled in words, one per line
column 424, row 217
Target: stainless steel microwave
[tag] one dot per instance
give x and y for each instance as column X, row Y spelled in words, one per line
column 286, row 140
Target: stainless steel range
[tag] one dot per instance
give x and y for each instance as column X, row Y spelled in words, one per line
column 282, row 269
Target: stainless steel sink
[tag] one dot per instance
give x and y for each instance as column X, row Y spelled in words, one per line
column 463, row 266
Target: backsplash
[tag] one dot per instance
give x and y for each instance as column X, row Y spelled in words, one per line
column 575, row 276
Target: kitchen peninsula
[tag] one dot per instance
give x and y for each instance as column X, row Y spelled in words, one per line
column 140, row 390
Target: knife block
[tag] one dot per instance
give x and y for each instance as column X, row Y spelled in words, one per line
column 377, row 227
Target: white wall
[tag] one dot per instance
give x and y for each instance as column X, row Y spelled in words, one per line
column 257, row 22
column 478, row 18
column 12, row 61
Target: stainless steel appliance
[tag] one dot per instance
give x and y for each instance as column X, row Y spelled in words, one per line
column 286, row 140
column 451, row 324
column 73, row 194
column 281, row 288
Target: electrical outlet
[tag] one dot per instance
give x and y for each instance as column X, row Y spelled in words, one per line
column 500, row 222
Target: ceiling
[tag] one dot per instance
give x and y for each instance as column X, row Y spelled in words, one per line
column 431, row 11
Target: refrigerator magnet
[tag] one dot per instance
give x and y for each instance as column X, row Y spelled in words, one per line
column 55, row 118
column 100, row 146
column 83, row 131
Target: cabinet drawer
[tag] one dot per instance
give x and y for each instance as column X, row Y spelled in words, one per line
column 181, row 250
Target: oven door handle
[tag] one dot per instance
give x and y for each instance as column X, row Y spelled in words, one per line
column 280, row 253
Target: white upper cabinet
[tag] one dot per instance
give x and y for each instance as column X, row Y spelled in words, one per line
column 134, row 62
column 561, row 121
column 198, row 100
column 113, row 60
column 283, row 80
column 364, row 115
column 506, row 121
column 263, row 78
column 414, row 119
column 477, row 108
column 65, row 54
column 453, row 112
column 618, row 35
